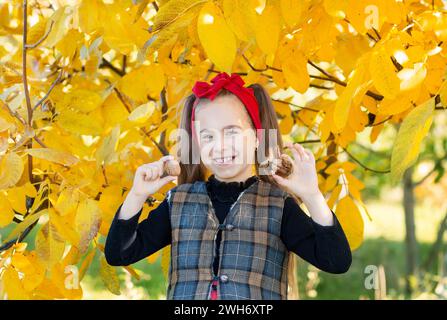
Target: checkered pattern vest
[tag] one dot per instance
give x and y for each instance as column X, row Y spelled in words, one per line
column 253, row 259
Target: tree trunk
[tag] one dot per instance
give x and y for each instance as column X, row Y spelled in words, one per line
column 412, row 255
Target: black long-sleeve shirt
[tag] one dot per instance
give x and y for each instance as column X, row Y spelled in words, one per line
column 325, row 247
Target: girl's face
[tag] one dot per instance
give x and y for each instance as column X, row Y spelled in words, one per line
column 227, row 140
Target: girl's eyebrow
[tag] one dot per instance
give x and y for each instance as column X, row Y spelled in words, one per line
column 226, row 127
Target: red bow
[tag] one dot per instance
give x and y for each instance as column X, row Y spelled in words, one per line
column 233, row 83
column 222, row 80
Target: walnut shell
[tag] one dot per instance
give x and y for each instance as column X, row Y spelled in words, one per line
column 280, row 166
column 285, row 167
column 172, row 167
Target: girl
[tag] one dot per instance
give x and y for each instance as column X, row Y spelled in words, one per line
column 231, row 228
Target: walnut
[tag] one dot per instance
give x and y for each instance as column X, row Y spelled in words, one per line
column 172, row 167
column 280, row 166
column 285, row 167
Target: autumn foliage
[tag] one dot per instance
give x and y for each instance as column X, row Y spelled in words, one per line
column 91, row 89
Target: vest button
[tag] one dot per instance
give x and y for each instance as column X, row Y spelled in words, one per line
column 224, row 278
column 230, row 227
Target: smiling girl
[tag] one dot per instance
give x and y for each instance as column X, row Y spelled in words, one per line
column 231, row 226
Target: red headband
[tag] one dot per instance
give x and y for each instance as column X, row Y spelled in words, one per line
column 235, row 84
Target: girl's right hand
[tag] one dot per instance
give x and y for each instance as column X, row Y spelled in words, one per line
column 147, row 179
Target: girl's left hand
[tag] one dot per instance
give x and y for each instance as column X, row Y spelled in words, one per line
column 303, row 181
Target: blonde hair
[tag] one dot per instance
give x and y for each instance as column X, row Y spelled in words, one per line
column 191, row 172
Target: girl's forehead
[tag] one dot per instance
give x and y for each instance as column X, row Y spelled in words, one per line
column 221, row 112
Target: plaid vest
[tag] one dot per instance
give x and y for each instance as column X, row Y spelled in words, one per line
column 254, row 260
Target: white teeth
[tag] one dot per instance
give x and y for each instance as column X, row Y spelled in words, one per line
column 224, row 160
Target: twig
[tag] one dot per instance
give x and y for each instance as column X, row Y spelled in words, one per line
column 32, row 46
column 49, row 91
column 25, row 86
column 107, row 64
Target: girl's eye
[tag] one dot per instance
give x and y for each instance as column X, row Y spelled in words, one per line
column 231, row 131
column 207, row 137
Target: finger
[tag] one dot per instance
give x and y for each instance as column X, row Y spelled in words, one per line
column 295, row 153
column 144, row 175
column 166, row 180
column 300, row 151
column 152, row 174
column 278, row 152
column 310, row 154
column 168, row 157
column 148, row 174
column 304, row 155
column 161, row 162
column 288, row 157
column 280, row 180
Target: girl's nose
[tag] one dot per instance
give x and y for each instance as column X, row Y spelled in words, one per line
column 223, row 143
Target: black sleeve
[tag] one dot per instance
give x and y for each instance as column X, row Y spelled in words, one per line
column 150, row 235
column 325, row 247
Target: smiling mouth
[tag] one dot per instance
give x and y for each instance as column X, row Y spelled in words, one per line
column 224, row 160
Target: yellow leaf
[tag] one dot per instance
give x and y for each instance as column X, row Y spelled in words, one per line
column 172, row 11
column 143, row 81
column 241, row 17
column 109, row 202
column 29, row 220
column 6, row 211
column 292, row 10
column 60, row 20
column 282, row 108
column 11, row 169
column 106, row 151
column 166, row 260
column 349, row 48
column 86, row 263
column 48, row 248
column 153, row 257
column 443, row 94
column 286, row 125
column 402, row 102
column 5, row 125
column 91, row 15
column 132, row 272
column 37, row 31
column 268, row 29
column 109, row 276
column 72, row 257
column 87, row 222
column 216, row 37
column 67, row 202
column 17, row 199
column 412, row 131
column 64, row 228
column 33, row 270
column 82, row 100
column 79, row 123
column 142, row 113
column 383, row 73
column 65, row 278
column 411, row 78
column 344, row 101
column 294, row 66
column 29, row 189
column 68, row 45
column 13, row 286
column 120, row 31
column 61, row 157
column 351, row 221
